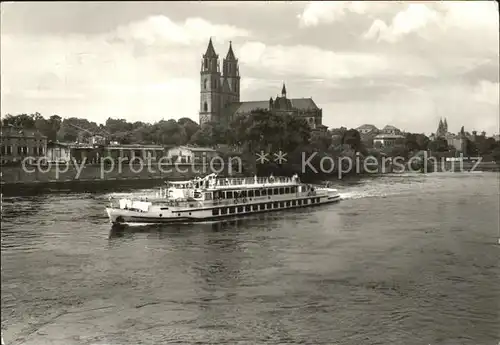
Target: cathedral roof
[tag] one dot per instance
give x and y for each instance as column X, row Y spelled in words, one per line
column 297, row 103
column 304, row 104
column 282, row 103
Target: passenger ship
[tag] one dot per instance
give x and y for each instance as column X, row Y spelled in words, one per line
column 212, row 198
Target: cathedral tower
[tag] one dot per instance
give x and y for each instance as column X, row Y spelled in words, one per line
column 210, row 87
column 231, row 74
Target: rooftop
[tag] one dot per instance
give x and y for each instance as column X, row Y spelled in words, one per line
column 367, row 126
column 389, row 136
column 297, row 103
column 197, row 149
column 134, row 146
column 390, row 128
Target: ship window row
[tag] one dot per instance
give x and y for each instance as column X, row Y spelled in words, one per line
column 263, row 206
column 254, row 192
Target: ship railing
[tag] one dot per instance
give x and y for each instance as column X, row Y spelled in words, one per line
column 269, row 198
column 234, row 181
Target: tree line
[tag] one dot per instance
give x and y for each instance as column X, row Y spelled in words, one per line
column 259, row 131
column 170, row 132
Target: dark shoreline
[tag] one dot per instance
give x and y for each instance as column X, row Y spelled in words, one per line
column 76, row 186
column 96, row 185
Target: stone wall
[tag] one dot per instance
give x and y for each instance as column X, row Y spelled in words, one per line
column 85, row 173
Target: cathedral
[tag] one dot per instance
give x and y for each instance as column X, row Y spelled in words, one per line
column 442, row 129
column 457, row 141
column 220, row 94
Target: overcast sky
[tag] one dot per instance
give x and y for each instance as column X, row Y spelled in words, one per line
column 404, row 64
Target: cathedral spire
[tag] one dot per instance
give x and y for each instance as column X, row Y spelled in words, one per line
column 210, row 49
column 230, row 53
column 283, row 91
column 440, row 128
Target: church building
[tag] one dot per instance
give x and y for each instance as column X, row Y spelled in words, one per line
column 220, row 94
column 457, row 141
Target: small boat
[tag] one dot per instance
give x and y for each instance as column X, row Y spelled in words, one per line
column 212, row 198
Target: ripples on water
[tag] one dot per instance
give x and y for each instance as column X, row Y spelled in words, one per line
column 402, row 260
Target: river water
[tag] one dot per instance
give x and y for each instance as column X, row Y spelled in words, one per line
column 403, row 259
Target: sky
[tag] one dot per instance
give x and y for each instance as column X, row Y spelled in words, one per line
column 400, row 63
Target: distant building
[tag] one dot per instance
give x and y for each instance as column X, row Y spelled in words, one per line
column 131, row 151
column 58, row 152
column 389, row 136
column 303, row 107
column 442, row 129
column 457, row 141
column 367, row 132
column 220, row 94
column 18, row 144
column 386, row 140
column 391, row 130
column 97, row 140
column 189, row 154
column 367, row 129
column 80, row 152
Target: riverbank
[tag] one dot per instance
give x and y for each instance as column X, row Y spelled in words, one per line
column 468, row 166
column 97, row 173
column 320, row 171
column 13, row 177
column 444, row 166
column 78, row 186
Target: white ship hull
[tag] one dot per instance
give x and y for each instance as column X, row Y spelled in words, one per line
column 182, row 215
column 163, row 209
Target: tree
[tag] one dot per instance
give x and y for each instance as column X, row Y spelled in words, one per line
column 422, row 141
column 470, row 148
column 262, row 130
column 368, row 139
column 210, row 134
column 496, row 154
column 75, row 129
column 189, row 126
column 321, row 141
column 353, row 139
column 205, row 135
column 53, row 125
column 485, row 145
column 410, row 142
column 337, row 134
column 438, row 145
column 118, row 125
column 23, row 121
column 397, row 151
column 142, row 133
column 169, row 133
